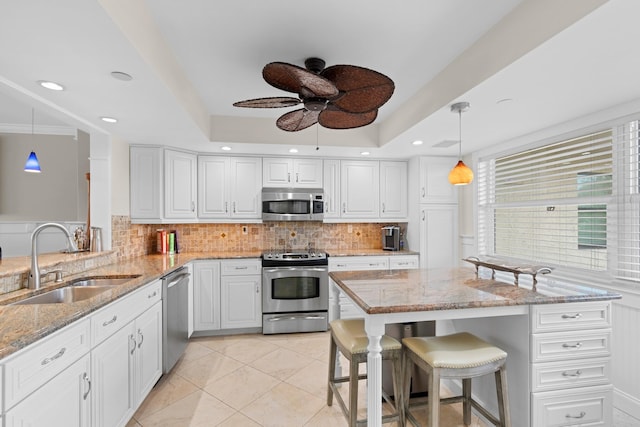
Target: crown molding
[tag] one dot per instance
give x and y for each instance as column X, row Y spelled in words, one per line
column 38, row 129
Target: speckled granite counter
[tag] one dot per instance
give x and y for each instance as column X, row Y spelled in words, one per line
column 368, row 252
column 21, row 325
column 396, row 291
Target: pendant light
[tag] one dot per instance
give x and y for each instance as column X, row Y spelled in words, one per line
column 460, row 174
column 32, row 164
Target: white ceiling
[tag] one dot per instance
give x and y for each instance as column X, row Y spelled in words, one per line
column 191, row 60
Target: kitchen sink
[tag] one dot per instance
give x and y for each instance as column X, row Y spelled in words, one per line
column 103, row 281
column 65, row 295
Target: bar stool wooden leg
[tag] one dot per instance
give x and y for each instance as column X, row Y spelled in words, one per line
column 503, row 396
column 434, row 398
column 466, row 402
column 332, row 370
column 353, row 392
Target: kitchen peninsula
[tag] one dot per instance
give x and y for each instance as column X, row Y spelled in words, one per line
column 558, row 337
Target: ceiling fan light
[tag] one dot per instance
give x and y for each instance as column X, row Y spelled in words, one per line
column 461, row 174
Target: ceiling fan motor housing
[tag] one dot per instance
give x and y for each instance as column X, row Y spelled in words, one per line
column 315, row 65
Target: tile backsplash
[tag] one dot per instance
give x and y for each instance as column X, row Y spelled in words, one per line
column 140, row 239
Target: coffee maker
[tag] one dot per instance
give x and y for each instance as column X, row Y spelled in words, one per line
column 391, row 238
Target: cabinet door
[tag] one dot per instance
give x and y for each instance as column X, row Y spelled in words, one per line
column 359, row 189
column 434, row 180
column 393, row 190
column 65, row 401
column 438, row 236
column 145, row 181
column 331, row 185
column 206, row 295
column 241, row 302
column 180, row 185
column 276, row 172
column 112, row 374
column 148, row 352
column 213, row 187
column 246, row 187
column 307, row 173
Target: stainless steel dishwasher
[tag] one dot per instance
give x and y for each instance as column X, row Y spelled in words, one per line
column 175, row 322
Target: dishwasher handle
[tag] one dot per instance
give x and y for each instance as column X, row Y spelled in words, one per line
column 176, row 279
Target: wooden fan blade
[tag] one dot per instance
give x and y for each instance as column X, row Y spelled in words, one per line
column 364, row 89
column 298, row 80
column 297, row 120
column 273, row 102
column 334, row 119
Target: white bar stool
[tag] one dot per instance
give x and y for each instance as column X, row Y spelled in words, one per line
column 463, row 356
column 349, row 336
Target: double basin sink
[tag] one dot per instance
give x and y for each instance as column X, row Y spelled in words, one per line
column 78, row 290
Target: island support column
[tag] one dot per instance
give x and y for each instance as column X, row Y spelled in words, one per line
column 375, row 329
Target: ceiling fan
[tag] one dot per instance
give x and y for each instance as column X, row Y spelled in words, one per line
column 337, row 97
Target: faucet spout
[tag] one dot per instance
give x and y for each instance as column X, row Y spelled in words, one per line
column 34, row 275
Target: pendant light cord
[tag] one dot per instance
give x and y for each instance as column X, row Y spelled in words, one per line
column 460, row 133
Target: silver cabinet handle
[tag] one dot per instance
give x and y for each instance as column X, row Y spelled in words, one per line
column 152, row 295
column 108, row 322
column 383, row 208
column 572, row 316
column 341, row 265
column 289, row 177
column 86, row 379
column 141, row 338
column 54, row 357
column 240, row 267
column 226, row 207
column 193, row 206
column 576, row 345
column 575, row 374
column 423, row 215
column 344, row 207
column 257, row 289
column 297, row 177
column 582, row 414
column 423, row 193
column 234, row 207
column 132, row 340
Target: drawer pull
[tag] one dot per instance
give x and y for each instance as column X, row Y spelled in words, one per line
column 241, row 268
column 575, row 374
column 86, row 378
column 108, row 322
column 341, row 265
column 576, row 345
column 572, row 316
column 152, row 295
column 54, row 357
column 582, row 415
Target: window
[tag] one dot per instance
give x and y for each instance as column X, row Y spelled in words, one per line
column 573, row 203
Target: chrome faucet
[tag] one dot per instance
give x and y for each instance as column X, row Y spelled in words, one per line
column 34, row 275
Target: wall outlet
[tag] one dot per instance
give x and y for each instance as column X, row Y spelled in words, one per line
column 245, row 229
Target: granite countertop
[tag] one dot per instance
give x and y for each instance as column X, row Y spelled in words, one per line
column 21, row 325
column 397, row 291
column 368, row 252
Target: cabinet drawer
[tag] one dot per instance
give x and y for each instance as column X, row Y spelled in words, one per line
column 590, row 406
column 569, row 317
column 241, row 267
column 570, row 345
column 571, row 374
column 359, row 263
column 111, row 318
column 396, row 262
column 29, row 369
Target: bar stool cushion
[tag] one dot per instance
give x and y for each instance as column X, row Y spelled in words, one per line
column 456, row 351
column 351, row 336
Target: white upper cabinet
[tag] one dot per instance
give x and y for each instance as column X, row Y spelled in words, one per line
column 359, row 189
column 180, row 185
column 145, row 177
column 434, row 180
column 393, row 190
column 331, row 186
column 291, row 173
column 229, row 187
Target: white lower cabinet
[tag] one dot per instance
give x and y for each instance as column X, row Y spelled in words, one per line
column 65, row 401
column 227, row 294
column 356, row 263
column 571, row 365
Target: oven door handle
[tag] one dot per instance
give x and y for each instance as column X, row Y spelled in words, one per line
column 279, row 269
column 296, row 317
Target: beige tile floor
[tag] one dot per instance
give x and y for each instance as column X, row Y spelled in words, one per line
column 254, row 380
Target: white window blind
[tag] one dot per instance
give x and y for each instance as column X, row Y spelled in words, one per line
column 573, row 203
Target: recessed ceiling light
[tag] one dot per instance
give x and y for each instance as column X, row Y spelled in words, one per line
column 50, row 85
column 293, row 150
column 121, row 76
column 504, row 101
column 225, row 148
column 365, row 153
column 109, row 119
column 417, row 142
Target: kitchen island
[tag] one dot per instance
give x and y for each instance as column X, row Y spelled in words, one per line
column 557, row 338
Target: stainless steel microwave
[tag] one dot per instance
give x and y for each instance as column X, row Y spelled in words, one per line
column 292, row 204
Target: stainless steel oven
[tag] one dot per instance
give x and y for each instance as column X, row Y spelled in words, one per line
column 295, row 294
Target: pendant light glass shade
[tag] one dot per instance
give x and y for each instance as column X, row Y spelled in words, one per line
column 32, row 164
column 461, row 174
